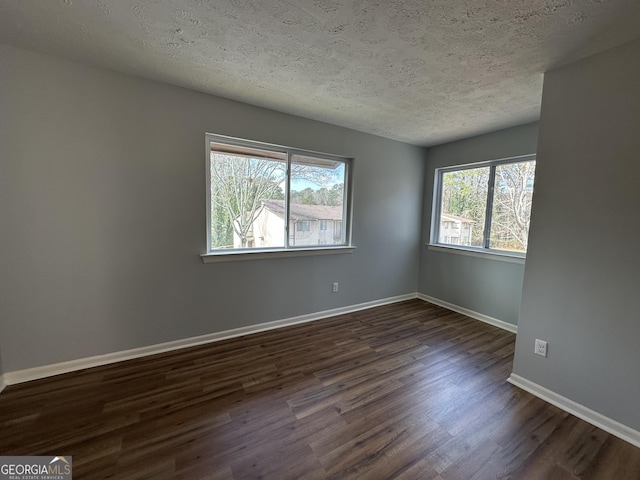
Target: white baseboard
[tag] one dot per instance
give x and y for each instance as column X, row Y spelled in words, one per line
column 607, row 424
column 470, row 313
column 2, row 383
column 20, row 376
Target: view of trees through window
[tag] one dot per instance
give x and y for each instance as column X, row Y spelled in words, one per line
column 239, row 185
column 464, row 205
column 248, row 198
column 464, row 194
column 512, row 196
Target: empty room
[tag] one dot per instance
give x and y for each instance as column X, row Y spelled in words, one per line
column 338, row 239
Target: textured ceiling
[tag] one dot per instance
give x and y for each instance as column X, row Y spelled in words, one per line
column 424, row 72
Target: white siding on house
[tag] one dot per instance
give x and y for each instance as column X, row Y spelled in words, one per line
column 310, row 225
column 455, row 230
column 267, row 232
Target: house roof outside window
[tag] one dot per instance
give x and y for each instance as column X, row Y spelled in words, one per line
column 300, row 212
column 446, row 217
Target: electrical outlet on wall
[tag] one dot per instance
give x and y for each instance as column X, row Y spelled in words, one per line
column 540, row 348
column 335, row 287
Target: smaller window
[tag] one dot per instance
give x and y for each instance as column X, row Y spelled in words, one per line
column 485, row 205
column 323, row 224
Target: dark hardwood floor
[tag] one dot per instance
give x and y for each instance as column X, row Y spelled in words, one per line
column 409, row 390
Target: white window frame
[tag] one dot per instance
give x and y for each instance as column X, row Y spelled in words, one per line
column 434, row 244
column 221, row 255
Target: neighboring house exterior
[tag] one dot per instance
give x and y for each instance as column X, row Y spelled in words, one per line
column 455, row 230
column 309, row 225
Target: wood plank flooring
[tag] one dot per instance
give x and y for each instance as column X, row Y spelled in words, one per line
column 405, row 391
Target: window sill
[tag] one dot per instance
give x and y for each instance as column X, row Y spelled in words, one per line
column 487, row 254
column 234, row 256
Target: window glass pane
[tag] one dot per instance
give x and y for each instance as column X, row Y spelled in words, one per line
column 316, row 207
column 512, row 195
column 243, row 183
column 464, row 202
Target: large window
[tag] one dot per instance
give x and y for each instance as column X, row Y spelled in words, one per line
column 269, row 197
column 484, row 206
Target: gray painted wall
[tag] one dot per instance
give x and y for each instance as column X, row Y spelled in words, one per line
column 102, row 194
column 485, row 285
column 582, row 275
